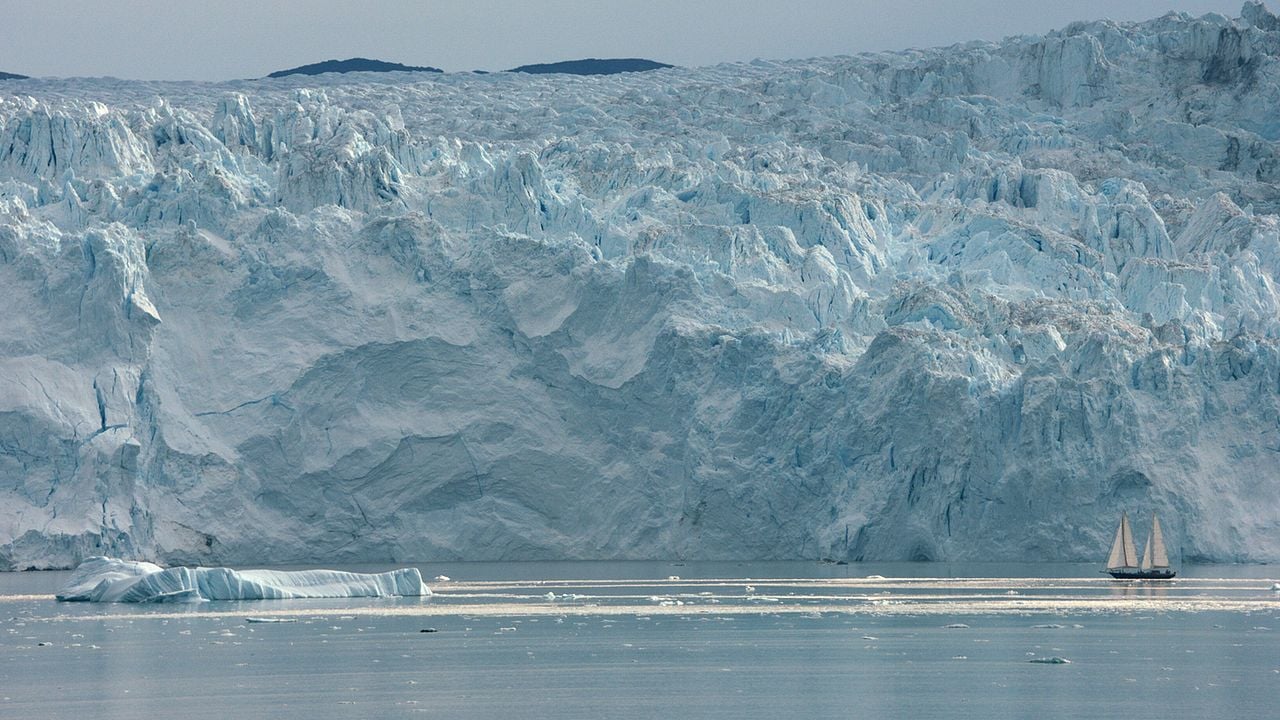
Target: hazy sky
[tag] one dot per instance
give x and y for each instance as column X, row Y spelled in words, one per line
column 224, row 39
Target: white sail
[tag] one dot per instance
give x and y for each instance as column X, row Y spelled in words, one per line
column 1146, row 555
column 1117, row 550
column 1159, row 558
column 1123, row 554
column 1130, row 555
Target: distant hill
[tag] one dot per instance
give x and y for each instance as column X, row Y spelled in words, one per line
column 11, row 76
column 593, row 66
column 352, row 65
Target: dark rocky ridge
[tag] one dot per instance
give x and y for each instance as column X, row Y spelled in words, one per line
column 351, row 65
column 593, row 66
column 11, row 76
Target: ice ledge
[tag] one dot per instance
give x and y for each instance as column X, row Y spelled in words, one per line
column 104, row 579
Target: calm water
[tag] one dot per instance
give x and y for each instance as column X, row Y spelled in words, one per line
column 626, row 640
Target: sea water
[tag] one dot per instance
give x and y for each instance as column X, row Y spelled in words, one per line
column 649, row 640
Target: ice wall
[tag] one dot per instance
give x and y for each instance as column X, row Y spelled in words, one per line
column 949, row 304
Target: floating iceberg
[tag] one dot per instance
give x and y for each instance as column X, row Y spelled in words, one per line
column 104, row 579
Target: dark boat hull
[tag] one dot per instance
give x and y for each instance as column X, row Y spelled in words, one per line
column 1142, row 574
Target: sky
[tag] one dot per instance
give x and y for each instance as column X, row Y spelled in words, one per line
column 229, row 39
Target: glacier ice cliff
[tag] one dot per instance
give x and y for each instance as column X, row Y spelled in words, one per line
column 960, row 303
column 105, row 579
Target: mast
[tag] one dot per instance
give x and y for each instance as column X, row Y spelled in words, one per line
column 1123, row 554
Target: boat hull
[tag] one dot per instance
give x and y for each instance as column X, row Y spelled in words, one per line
column 1142, row 574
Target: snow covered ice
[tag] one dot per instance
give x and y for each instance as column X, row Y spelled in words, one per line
column 104, row 579
column 935, row 304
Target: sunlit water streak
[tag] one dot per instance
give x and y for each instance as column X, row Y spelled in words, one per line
column 780, row 596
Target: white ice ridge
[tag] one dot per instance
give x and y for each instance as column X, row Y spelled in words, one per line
column 965, row 303
column 104, row 579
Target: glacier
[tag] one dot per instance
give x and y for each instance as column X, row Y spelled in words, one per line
column 947, row 304
column 106, row 579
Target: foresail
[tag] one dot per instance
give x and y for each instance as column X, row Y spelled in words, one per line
column 1146, row 555
column 1122, row 553
column 1117, row 550
column 1130, row 555
column 1159, row 558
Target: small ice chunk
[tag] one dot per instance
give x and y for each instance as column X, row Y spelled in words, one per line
column 956, row 626
column 269, row 620
column 1055, row 660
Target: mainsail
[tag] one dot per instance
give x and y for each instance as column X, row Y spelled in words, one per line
column 1123, row 554
column 1155, row 555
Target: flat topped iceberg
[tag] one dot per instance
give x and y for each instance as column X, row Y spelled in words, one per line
column 104, row 579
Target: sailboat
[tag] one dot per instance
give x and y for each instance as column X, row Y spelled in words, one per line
column 1122, row 564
